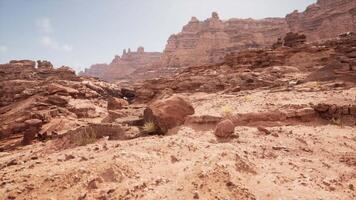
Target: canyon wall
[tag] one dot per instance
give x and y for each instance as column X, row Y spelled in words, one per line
column 324, row 19
column 203, row 42
column 96, row 70
column 121, row 67
column 209, row 41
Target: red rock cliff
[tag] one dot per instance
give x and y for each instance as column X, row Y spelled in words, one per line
column 203, row 42
column 324, row 19
column 122, row 66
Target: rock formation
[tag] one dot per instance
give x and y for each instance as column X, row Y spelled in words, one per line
column 207, row 42
column 254, row 68
column 125, row 65
column 203, row 42
column 324, row 19
column 44, row 101
column 96, row 70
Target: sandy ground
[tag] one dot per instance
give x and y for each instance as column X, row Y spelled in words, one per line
column 312, row 160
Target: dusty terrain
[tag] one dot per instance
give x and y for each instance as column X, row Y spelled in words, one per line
column 306, row 159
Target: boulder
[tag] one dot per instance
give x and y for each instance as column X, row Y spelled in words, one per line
column 168, row 113
column 225, row 128
column 116, row 103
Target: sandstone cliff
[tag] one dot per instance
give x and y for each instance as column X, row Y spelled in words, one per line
column 203, row 42
column 324, row 19
column 209, row 41
column 206, row 42
column 122, row 66
column 96, row 70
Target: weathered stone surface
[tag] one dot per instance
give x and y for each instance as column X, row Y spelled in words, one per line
column 324, row 19
column 116, row 103
column 57, row 100
column 224, row 128
column 294, row 39
column 32, row 129
column 45, row 101
column 330, row 111
column 206, row 42
column 168, row 113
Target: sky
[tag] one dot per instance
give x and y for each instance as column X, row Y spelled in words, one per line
column 78, row 33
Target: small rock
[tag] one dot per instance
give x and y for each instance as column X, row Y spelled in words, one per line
column 195, row 195
column 174, row 159
column 69, row 157
column 225, row 128
column 12, row 162
column 264, row 130
column 93, row 184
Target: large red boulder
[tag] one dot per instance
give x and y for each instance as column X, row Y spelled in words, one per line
column 168, row 113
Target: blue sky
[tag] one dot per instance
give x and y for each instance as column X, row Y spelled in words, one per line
column 79, row 33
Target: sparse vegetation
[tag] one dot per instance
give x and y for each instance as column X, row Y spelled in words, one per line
column 149, row 127
column 226, row 111
column 336, row 121
column 84, row 138
column 247, row 98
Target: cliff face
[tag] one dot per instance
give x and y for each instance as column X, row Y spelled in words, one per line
column 96, row 70
column 325, row 19
column 122, row 66
column 206, row 42
column 203, row 42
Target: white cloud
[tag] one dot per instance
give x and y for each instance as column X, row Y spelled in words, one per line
column 45, row 25
column 3, row 49
column 49, row 42
column 67, row 47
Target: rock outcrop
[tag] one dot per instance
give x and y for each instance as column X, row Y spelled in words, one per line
column 206, row 42
column 125, row 65
column 203, row 42
column 324, row 19
column 43, row 101
column 249, row 69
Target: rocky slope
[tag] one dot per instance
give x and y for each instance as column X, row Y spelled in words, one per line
column 244, row 70
column 43, row 102
column 125, row 65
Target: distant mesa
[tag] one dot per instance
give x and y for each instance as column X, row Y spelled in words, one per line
column 208, row 41
column 121, row 67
